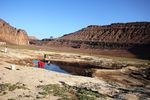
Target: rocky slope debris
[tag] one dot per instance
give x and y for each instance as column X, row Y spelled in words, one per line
column 12, row 35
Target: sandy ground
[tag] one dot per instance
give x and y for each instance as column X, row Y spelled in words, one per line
column 31, row 77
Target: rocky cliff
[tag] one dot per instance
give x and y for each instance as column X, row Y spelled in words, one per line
column 114, row 36
column 12, row 35
column 136, row 32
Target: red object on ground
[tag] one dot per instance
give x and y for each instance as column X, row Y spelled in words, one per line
column 41, row 64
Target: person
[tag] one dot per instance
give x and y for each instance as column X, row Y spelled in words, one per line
column 46, row 59
column 41, row 64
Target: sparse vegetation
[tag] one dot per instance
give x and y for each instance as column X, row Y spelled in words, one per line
column 66, row 92
column 11, row 99
column 4, row 87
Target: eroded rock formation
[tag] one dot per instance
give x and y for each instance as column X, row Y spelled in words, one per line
column 12, row 35
column 137, row 32
column 114, row 36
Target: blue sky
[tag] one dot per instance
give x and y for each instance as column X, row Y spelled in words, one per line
column 45, row 18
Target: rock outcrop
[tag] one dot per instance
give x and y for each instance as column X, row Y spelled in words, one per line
column 12, row 35
column 136, row 32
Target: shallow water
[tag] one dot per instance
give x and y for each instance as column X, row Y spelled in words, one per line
column 67, row 69
column 51, row 67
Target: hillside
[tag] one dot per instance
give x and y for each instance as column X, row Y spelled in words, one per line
column 133, row 37
column 114, row 36
column 12, row 35
column 136, row 32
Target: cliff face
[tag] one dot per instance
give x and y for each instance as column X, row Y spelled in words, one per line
column 12, row 35
column 137, row 32
column 114, row 36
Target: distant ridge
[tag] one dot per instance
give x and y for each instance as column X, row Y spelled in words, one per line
column 133, row 32
column 133, row 37
column 33, row 38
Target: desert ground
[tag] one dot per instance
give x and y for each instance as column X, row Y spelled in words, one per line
column 113, row 78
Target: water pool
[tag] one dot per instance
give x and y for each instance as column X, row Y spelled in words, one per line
column 51, row 67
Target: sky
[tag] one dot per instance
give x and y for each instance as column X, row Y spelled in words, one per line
column 45, row 18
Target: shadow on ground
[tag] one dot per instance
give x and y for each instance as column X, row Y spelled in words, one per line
column 141, row 51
